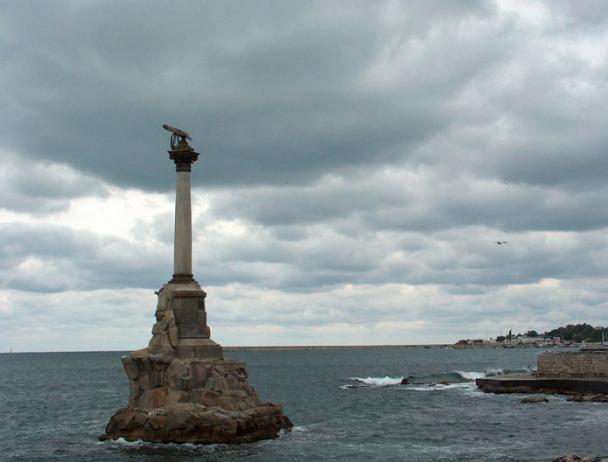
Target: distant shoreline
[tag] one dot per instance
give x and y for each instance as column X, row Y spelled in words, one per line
column 444, row 346
column 330, row 347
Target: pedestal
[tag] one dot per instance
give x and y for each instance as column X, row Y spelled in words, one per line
column 181, row 389
column 181, row 323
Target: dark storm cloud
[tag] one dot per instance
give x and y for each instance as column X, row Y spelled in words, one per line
column 281, row 91
column 270, row 91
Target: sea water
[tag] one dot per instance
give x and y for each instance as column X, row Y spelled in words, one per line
column 345, row 405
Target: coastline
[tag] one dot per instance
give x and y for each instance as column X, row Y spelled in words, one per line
column 331, row 347
column 443, row 346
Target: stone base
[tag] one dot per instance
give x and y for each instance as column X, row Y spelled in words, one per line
column 193, row 423
column 181, row 389
column 194, row 400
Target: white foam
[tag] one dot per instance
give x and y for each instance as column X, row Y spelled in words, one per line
column 441, row 387
column 379, row 381
column 121, row 442
column 495, row 372
column 471, row 375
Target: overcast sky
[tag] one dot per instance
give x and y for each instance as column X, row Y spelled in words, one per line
column 359, row 162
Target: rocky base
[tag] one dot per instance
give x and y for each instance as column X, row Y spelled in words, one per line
column 201, row 401
column 182, row 389
column 192, row 423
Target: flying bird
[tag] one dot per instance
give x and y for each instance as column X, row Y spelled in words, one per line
column 501, row 242
column 177, row 131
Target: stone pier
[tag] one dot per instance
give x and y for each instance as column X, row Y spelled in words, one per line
column 181, row 388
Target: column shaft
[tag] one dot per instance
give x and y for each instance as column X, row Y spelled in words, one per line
column 182, row 258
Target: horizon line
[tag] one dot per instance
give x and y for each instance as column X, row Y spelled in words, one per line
column 261, row 347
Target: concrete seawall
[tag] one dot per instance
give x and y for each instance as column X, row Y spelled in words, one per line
column 573, row 364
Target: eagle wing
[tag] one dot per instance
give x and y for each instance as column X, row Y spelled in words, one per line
column 177, row 131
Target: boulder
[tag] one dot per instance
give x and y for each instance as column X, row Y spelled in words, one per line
column 575, row 458
column 589, row 397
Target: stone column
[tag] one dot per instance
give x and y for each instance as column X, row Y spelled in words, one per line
column 183, row 156
column 181, row 389
column 182, row 257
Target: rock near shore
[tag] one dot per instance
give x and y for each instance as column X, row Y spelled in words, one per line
column 575, row 458
column 198, row 424
column 535, row 399
column 589, row 398
column 200, row 401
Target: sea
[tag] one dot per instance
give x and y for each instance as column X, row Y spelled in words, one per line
column 346, row 405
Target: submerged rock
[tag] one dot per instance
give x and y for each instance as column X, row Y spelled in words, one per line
column 575, row 458
column 589, row 398
column 535, row 399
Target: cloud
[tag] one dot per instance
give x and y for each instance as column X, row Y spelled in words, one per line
column 42, row 187
column 421, row 199
column 287, row 95
column 385, row 243
column 75, row 320
column 358, row 163
column 249, row 315
column 57, row 259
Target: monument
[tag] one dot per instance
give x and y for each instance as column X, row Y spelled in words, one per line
column 181, row 388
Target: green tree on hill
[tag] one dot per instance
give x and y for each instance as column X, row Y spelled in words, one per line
column 577, row 333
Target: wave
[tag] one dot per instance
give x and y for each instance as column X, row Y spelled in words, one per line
column 378, row 381
column 496, row 372
column 471, row 376
column 439, row 381
column 140, row 444
column 440, row 386
column 490, row 372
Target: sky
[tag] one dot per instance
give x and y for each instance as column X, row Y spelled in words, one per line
column 358, row 163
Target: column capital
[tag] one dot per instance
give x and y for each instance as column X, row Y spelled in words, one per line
column 183, row 155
